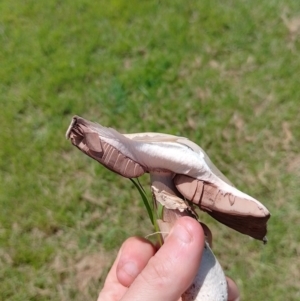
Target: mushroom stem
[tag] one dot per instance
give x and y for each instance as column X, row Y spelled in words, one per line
column 210, row 282
column 162, row 184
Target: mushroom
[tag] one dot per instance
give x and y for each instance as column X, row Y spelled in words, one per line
column 181, row 174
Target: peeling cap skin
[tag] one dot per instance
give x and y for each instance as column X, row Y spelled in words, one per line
column 238, row 213
column 195, row 176
column 91, row 144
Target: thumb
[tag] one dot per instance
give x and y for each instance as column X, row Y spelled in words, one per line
column 171, row 271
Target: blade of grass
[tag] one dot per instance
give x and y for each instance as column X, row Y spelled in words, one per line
column 145, row 200
column 154, row 212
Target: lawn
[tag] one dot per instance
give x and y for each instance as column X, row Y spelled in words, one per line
column 225, row 74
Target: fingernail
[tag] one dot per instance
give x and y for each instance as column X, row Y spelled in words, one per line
column 181, row 234
column 130, row 268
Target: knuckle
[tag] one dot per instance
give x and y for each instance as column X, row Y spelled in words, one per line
column 159, row 274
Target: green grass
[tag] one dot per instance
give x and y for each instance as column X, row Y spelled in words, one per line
column 223, row 73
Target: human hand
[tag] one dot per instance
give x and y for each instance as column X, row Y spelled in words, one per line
column 141, row 272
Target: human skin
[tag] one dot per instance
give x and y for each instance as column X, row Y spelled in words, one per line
column 143, row 272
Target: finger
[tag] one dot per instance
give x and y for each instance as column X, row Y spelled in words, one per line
column 135, row 255
column 132, row 258
column 112, row 289
column 171, row 271
column 233, row 291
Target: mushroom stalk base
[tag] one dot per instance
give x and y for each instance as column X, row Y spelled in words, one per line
column 210, row 282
